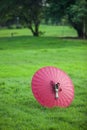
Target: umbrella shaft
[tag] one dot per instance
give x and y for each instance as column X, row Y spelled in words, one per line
column 56, row 93
column 56, row 90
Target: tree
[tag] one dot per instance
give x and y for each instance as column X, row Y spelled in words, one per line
column 77, row 15
column 57, row 8
column 75, row 10
column 29, row 12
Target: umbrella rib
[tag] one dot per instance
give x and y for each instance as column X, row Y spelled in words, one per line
column 64, row 99
column 69, row 92
column 69, row 97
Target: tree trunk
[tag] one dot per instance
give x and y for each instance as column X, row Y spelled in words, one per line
column 80, row 30
column 36, row 30
column 36, row 34
column 81, row 33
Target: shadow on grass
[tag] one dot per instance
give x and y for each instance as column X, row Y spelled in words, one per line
column 30, row 42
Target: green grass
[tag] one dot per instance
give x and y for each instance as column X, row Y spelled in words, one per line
column 54, row 31
column 20, row 58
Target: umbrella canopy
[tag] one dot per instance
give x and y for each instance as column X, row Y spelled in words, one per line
column 52, row 87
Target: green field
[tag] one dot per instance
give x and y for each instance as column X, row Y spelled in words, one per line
column 20, row 58
column 54, row 31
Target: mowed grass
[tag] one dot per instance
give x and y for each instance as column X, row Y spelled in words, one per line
column 20, row 58
column 54, row 31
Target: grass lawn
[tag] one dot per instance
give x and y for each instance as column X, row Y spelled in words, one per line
column 54, row 31
column 20, row 58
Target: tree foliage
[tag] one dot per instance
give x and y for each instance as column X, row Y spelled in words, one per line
column 29, row 12
column 75, row 10
column 77, row 15
column 56, row 9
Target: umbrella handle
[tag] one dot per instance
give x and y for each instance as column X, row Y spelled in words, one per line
column 56, row 90
column 56, row 96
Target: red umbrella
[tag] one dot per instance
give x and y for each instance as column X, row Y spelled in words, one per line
column 52, row 87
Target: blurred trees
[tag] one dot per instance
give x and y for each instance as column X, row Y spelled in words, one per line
column 75, row 10
column 77, row 16
column 31, row 12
